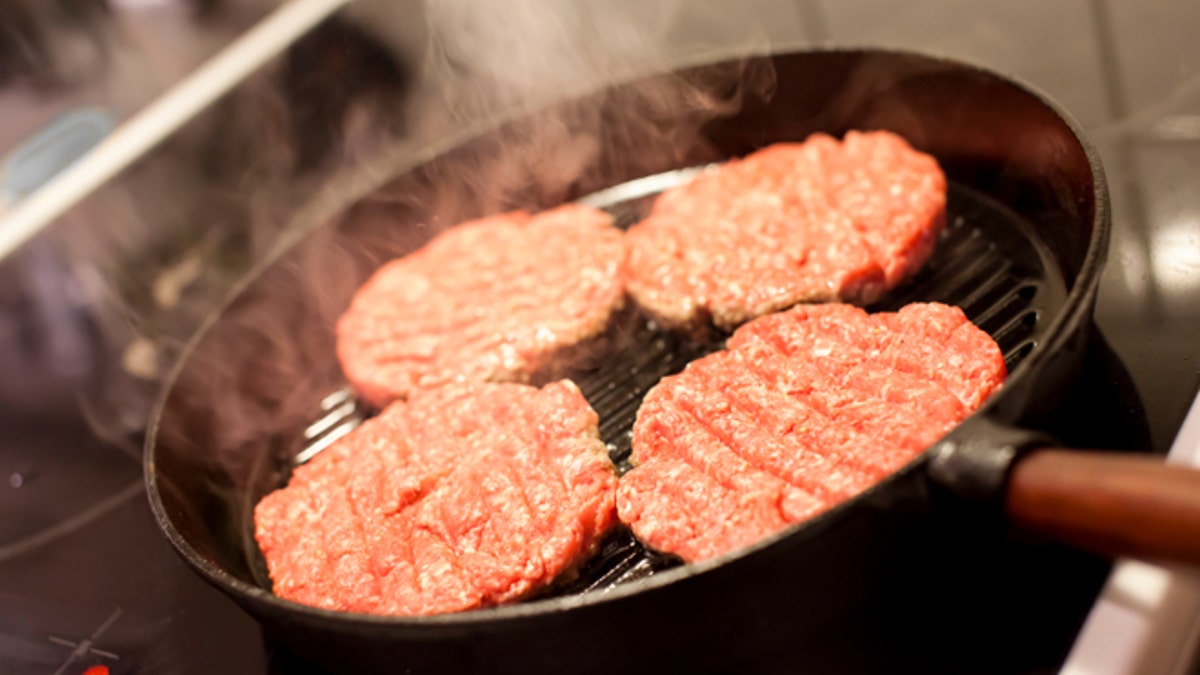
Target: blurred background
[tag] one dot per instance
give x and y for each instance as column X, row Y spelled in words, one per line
column 96, row 306
column 147, row 257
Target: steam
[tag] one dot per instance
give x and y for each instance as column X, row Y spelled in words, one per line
column 484, row 59
column 239, row 190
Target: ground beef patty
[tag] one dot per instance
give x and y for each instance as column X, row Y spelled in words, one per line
column 815, row 221
column 804, row 409
column 465, row 496
column 494, row 299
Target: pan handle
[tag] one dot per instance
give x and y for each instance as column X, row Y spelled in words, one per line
column 1109, row 503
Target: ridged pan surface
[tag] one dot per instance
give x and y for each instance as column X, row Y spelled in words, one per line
column 988, row 261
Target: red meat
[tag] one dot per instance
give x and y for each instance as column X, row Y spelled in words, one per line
column 465, row 496
column 803, row 410
column 495, row 299
column 815, row 221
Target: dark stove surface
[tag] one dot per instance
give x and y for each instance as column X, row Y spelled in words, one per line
column 92, row 582
column 89, row 585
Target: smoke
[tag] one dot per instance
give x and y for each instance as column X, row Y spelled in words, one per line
column 382, row 128
column 484, row 60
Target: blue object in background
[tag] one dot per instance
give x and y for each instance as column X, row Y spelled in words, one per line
column 54, row 147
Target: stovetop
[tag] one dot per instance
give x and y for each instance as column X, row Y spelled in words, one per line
column 88, row 584
column 93, row 582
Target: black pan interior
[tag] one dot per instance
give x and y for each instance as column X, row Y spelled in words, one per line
column 988, row 261
column 261, row 387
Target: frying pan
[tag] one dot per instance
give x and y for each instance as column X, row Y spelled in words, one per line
column 1028, row 229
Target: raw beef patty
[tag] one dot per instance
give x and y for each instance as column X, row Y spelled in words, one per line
column 494, row 299
column 815, row 221
column 803, row 410
column 467, row 495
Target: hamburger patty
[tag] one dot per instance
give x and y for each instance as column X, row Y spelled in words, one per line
column 815, row 221
column 803, row 409
column 494, row 299
column 465, row 496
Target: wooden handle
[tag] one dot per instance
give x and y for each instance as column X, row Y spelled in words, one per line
column 1109, row 503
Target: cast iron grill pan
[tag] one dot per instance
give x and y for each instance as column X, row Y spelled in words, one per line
column 988, row 261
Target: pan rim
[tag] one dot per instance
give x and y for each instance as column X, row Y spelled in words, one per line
column 1076, row 307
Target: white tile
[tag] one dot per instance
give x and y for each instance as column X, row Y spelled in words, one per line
column 1049, row 44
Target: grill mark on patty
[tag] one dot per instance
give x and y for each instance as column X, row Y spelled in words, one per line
column 746, row 516
column 360, row 549
column 860, row 465
column 838, row 371
column 822, row 377
column 746, row 411
column 544, row 455
column 399, row 570
column 686, row 448
column 857, row 469
column 437, row 545
column 489, row 491
column 517, row 489
column 350, row 550
column 744, row 523
column 746, row 486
